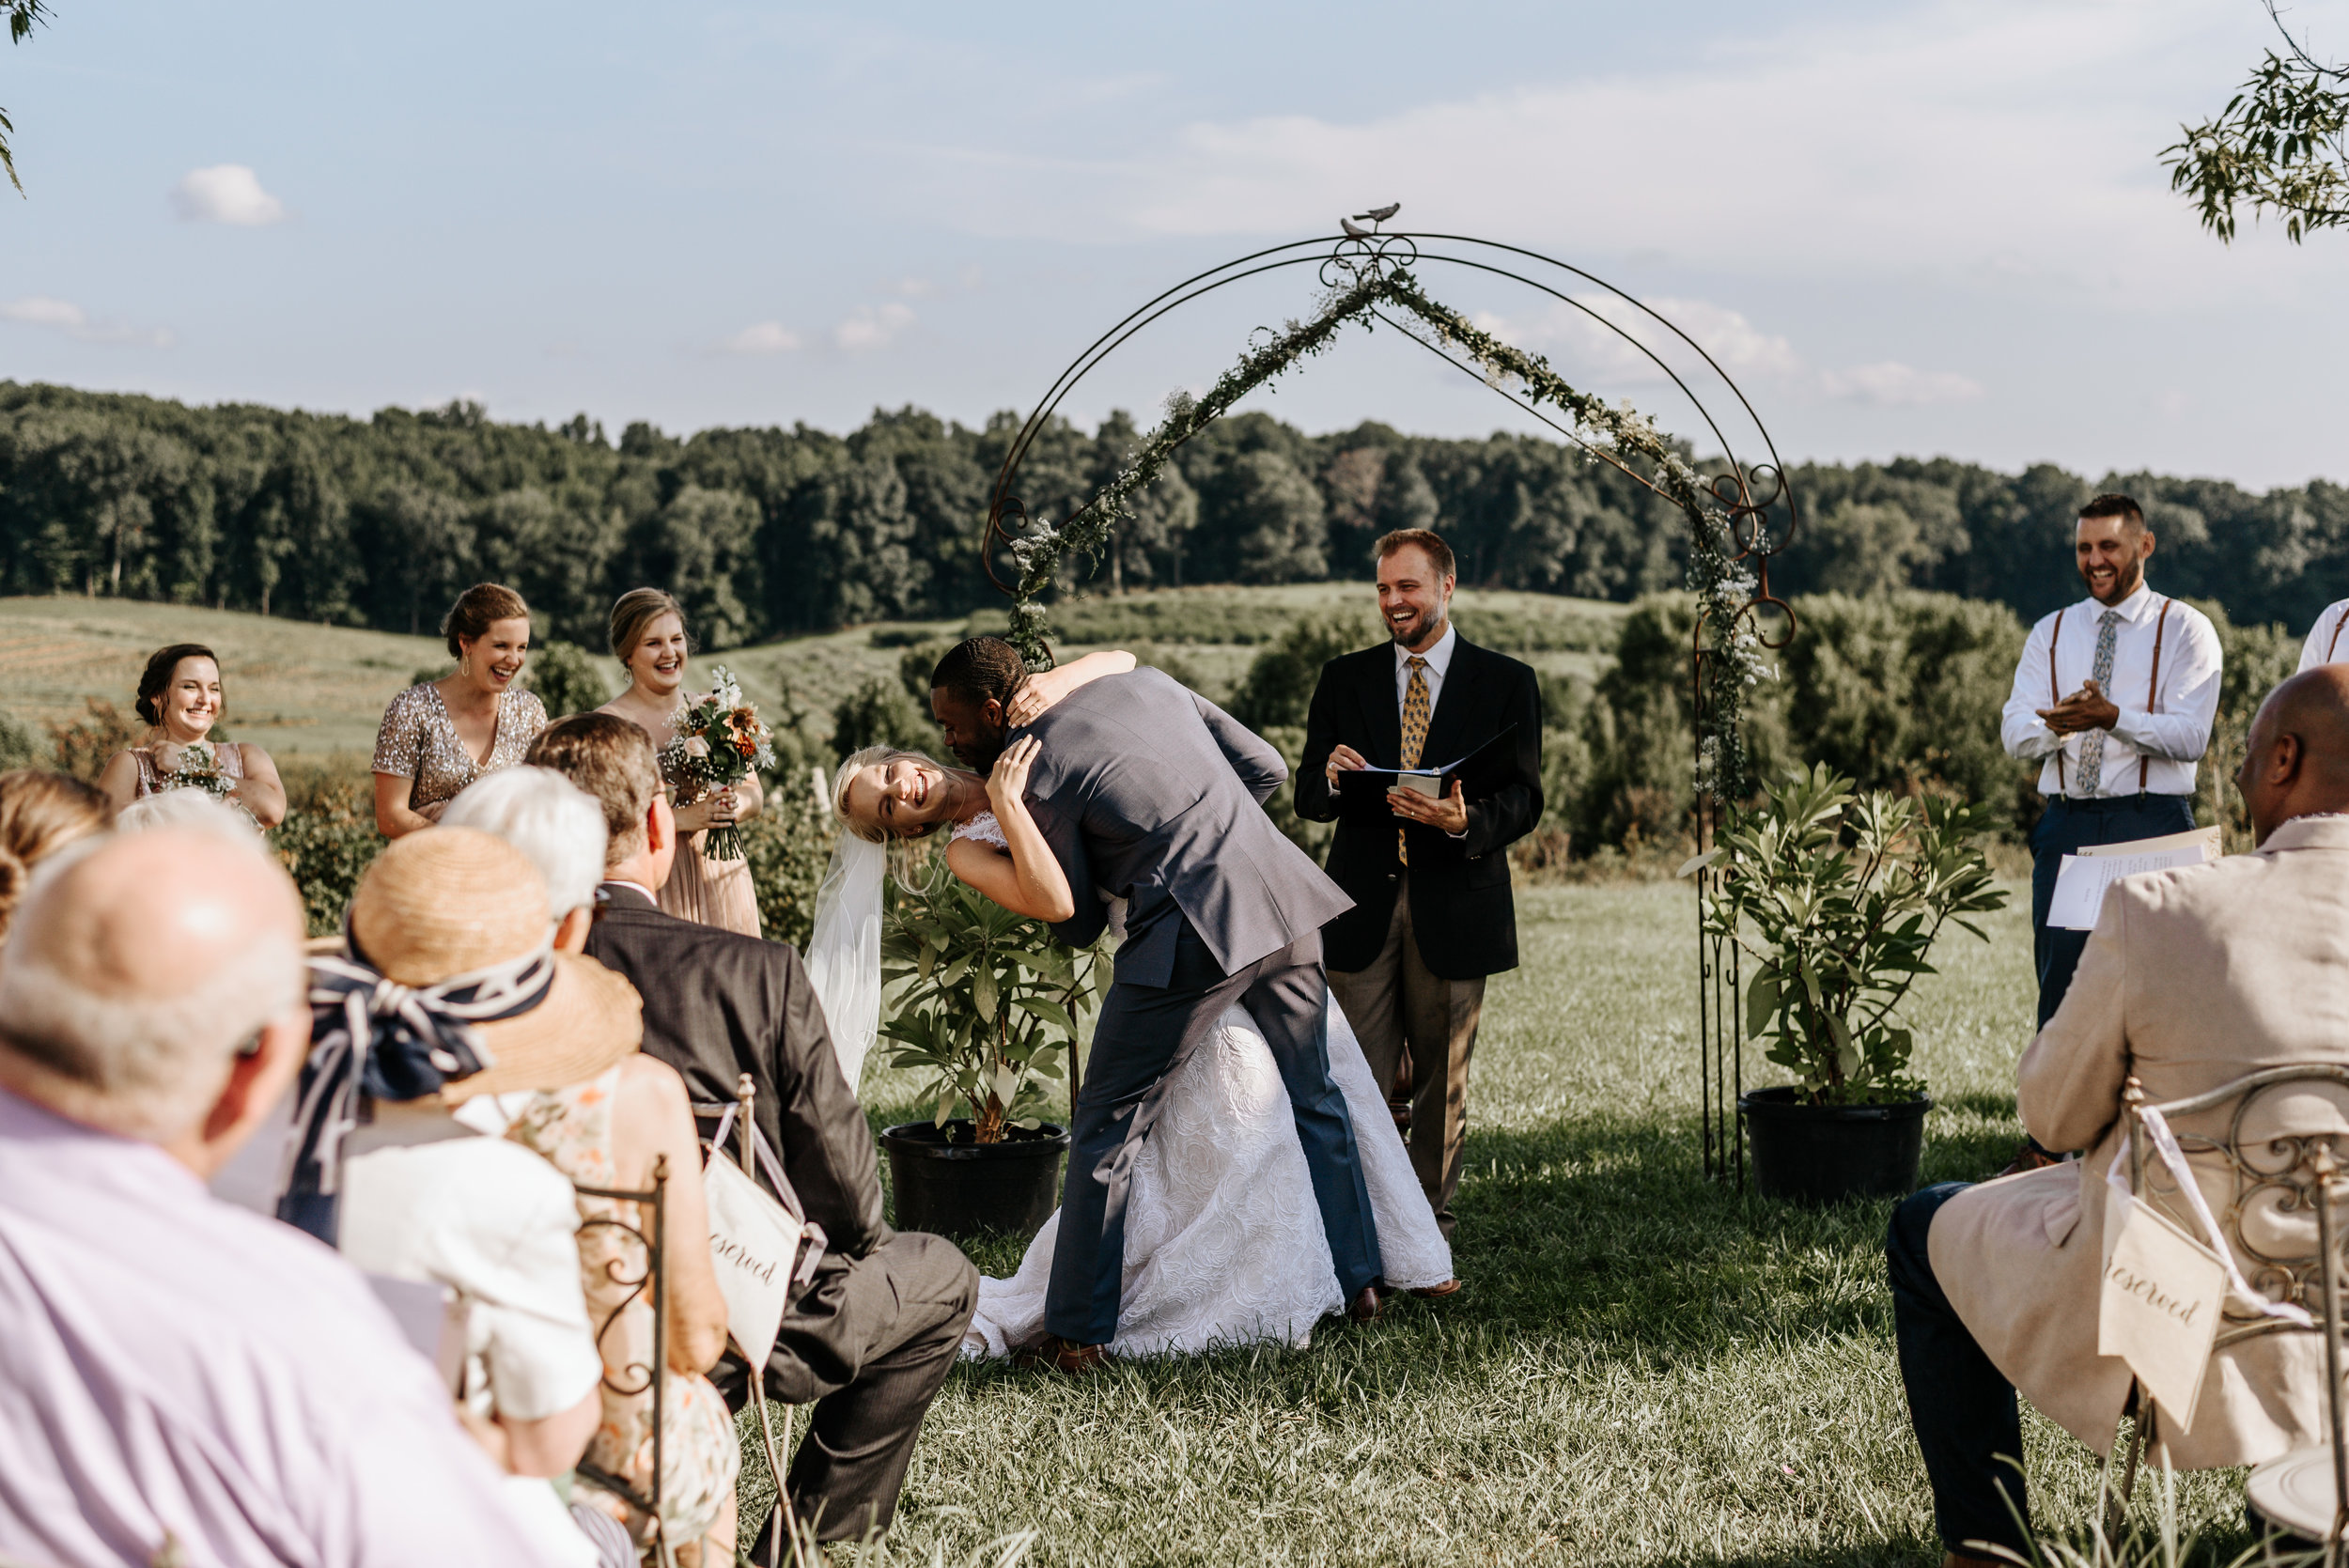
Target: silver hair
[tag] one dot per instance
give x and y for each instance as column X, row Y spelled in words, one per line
column 557, row 825
column 150, row 1068
column 187, row 807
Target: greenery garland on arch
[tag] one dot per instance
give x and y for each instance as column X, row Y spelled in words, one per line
column 1723, row 586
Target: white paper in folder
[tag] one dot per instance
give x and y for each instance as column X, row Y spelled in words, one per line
column 2081, row 884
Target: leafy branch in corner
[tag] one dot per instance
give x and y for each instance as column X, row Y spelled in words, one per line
column 22, row 15
column 2277, row 146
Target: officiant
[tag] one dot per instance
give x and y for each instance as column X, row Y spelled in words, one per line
column 1429, row 875
column 2115, row 698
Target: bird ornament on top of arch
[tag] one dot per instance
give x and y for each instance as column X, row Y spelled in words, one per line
column 1738, row 518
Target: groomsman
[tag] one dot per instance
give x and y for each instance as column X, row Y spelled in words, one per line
column 1433, row 914
column 2115, row 698
column 2326, row 645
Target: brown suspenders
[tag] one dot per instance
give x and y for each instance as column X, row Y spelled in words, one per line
column 2153, row 687
column 2339, row 621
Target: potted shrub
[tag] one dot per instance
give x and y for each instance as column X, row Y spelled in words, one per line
column 988, row 1005
column 1836, row 898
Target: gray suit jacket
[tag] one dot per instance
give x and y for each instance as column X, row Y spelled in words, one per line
column 1149, row 792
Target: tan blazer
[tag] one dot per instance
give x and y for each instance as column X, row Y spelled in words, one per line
column 2190, row 979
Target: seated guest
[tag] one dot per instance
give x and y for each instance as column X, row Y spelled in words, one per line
column 180, row 1380
column 40, row 813
column 182, row 699
column 2191, row 978
column 872, row 1338
column 439, row 736
column 608, row 1131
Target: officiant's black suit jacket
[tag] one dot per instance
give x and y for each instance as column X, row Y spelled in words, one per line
column 1461, row 908
column 717, row 1004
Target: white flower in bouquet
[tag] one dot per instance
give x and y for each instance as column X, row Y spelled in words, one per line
column 696, row 747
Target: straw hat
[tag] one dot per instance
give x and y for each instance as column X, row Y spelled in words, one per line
column 453, row 900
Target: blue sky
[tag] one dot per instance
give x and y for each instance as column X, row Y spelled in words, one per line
column 1906, row 229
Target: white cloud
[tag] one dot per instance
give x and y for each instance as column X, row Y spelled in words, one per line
column 42, row 310
column 1604, row 336
column 1892, row 384
column 870, row 328
column 226, row 194
column 1948, row 141
column 762, row 337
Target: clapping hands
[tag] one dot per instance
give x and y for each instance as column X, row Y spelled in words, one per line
column 2087, row 709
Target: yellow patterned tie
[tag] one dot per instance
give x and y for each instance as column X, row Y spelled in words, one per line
column 1415, row 713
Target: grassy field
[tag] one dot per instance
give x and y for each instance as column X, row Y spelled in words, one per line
column 296, row 687
column 1643, row 1369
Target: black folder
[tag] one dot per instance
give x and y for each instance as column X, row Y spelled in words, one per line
column 1363, row 793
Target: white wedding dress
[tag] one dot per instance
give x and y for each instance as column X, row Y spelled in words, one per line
column 1224, row 1239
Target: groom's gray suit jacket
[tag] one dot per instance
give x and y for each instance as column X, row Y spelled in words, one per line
column 1149, row 792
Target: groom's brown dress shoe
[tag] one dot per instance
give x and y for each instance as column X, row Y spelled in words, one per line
column 1061, row 1355
column 1365, row 1306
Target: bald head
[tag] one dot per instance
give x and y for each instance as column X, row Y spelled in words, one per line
column 2296, row 761
column 137, row 970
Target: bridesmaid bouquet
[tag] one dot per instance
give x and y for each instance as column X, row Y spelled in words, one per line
column 719, row 742
column 199, row 768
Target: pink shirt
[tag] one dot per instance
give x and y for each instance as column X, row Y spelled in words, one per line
column 175, row 1369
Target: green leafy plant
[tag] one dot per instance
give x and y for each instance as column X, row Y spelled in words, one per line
column 1838, row 897
column 986, row 1002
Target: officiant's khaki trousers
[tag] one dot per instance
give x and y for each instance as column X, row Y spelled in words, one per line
column 1399, row 1004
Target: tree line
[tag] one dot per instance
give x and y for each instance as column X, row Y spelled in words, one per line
column 771, row 532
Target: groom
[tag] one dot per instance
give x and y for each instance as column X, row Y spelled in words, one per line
column 1148, row 792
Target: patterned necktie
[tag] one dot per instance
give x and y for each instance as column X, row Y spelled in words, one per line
column 1415, row 708
column 2092, row 743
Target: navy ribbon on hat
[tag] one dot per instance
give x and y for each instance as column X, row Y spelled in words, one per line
column 372, row 1038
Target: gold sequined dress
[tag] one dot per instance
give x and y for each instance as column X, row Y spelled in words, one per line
column 418, row 741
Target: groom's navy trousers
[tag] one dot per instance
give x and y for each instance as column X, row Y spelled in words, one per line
column 1146, row 1033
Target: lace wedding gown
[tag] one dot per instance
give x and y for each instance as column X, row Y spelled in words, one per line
column 1223, row 1240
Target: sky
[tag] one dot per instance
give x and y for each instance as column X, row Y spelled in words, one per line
column 1902, row 228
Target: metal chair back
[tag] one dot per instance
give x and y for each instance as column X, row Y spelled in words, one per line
column 636, row 1377
column 2275, row 1161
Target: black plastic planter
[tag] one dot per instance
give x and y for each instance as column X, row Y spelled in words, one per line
column 1818, row 1154
column 951, row 1186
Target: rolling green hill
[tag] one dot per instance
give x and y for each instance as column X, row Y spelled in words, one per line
column 301, row 689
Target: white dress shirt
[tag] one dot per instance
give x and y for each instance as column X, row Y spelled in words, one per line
column 1439, row 656
column 2169, row 733
column 2329, row 641
column 1439, row 659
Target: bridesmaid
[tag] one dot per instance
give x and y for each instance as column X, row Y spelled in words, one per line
column 437, row 737
column 648, row 639
column 179, row 697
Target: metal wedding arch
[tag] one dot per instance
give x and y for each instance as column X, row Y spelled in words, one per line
column 1755, row 505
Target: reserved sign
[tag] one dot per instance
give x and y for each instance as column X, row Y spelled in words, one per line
column 2159, row 1308
column 755, row 1246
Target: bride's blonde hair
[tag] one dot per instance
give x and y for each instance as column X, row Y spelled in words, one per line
column 856, row 763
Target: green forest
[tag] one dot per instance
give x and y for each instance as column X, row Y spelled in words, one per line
column 763, row 533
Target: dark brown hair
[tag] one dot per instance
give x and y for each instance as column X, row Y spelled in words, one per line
column 1427, row 539
column 980, row 668
column 40, row 813
column 611, row 759
column 2112, row 503
column 638, row 609
column 162, row 665
column 475, row 609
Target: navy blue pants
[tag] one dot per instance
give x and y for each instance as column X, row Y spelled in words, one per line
column 2068, row 827
column 1144, row 1032
column 1964, row 1411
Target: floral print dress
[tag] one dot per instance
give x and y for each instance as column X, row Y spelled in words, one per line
column 572, row 1129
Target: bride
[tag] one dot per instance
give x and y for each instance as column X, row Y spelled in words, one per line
column 1224, row 1242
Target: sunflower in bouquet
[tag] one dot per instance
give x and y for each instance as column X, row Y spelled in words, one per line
column 719, row 742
